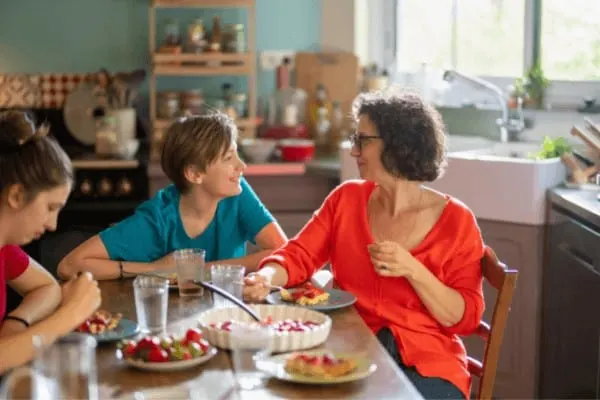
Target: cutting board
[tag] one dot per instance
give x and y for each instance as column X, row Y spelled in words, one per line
column 339, row 72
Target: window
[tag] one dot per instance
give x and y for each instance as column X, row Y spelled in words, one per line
column 501, row 38
column 570, row 39
column 478, row 37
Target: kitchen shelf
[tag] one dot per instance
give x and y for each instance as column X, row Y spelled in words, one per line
column 202, row 3
column 203, row 64
column 190, row 70
column 213, row 60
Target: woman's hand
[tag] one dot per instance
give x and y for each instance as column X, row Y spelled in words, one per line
column 256, row 288
column 81, row 297
column 391, row 259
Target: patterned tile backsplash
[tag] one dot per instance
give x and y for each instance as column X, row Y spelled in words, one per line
column 41, row 90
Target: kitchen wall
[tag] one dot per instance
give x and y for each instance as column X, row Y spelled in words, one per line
column 85, row 35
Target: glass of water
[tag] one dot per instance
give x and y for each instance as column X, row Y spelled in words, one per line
column 151, row 302
column 229, row 278
column 190, row 265
column 249, row 344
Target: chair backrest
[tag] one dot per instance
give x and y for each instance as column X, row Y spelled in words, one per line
column 503, row 280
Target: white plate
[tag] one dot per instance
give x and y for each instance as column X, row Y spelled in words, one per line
column 171, row 365
column 275, row 367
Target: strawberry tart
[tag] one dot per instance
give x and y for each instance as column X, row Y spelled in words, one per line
column 305, row 295
column 324, row 365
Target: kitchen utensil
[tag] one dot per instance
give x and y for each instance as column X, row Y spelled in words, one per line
column 297, row 150
column 78, row 111
column 228, row 296
column 592, row 126
column 577, row 174
column 591, row 140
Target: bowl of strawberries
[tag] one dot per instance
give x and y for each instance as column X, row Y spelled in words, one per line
column 167, row 353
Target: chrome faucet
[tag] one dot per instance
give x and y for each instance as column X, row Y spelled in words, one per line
column 509, row 127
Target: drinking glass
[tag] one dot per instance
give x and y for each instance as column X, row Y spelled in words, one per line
column 190, row 265
column 151, row 301
column 249, row 344
column 229, row 278
column 63, row 370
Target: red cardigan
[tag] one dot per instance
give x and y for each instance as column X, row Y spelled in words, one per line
column 339, row 232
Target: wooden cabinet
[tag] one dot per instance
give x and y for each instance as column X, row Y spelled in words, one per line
column 520, row 247
column 570, row 353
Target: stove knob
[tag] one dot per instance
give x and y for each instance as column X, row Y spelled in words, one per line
column 125, row 187
column 86, row 187
column 105, row 187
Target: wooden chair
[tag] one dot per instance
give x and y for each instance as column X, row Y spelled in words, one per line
column 503, row 280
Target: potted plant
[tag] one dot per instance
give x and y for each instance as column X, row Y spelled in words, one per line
column 536, row 86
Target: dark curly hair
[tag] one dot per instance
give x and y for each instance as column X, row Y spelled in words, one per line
column 412, row 131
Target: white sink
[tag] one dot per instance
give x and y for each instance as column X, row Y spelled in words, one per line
column 515, row 151
column 502, row 182
column 498, row 181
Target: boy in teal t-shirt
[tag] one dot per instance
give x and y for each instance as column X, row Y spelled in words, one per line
column 209, row 206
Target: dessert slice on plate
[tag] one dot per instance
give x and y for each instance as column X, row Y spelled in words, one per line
column 325, row 365
column 305, row 295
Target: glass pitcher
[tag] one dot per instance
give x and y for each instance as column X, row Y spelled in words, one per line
column 64, row 370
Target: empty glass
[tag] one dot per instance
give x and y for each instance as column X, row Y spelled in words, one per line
column 190, row 267
column 229, row 278
column 151, row 302
column 249, row 344
column 64, row 370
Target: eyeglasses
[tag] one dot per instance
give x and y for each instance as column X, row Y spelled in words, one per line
column 358, row 141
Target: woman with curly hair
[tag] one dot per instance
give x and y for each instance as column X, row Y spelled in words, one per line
column 411, row 255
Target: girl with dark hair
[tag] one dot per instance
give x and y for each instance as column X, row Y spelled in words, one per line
column 35, row 181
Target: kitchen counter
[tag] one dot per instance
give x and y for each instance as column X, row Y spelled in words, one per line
column 327, row 167
column 583, row 204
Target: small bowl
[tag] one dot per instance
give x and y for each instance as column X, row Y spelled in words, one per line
column 297, row 150
column 282, row 341
column 257, row 150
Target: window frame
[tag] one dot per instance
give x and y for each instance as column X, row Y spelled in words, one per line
column 561, row 94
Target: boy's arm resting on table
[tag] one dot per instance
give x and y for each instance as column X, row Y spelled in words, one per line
column 41, row 295
column 270, row 238
column 138, row 237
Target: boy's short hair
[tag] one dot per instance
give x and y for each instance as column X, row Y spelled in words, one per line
column 195, row 141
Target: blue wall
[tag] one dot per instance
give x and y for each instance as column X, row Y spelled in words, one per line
column 84, row 35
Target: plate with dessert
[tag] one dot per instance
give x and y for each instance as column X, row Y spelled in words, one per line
column 108, row 327
column 313, row 297
column 320, row 367
column 168, row 353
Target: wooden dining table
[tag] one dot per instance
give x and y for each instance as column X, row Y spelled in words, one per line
column 215, row 378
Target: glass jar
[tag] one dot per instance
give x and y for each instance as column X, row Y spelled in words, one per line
column 168, row 105
column 235, row 39
column 106, row 137
column 239, row 102
column 172, row 34
column 239, row 41
column 192, row 102
column 196, row 40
